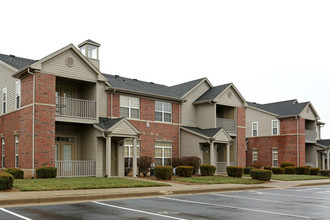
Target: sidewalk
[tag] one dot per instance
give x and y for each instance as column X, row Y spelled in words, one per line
column 68, row 196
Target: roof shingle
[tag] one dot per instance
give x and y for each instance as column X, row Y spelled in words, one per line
column 16, row 62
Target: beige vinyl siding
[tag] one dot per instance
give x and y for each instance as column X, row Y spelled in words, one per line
column 230, row 100
column 123, row 128
column 189, row 116
column 308, row 113
column 121, row 161
column 102, row 100
column 89, row 143
column 190, row 144
column 70, row 131
column 206, row 116
column 264, row 122
column 100, row 157
column 8, row 81
column 57, row 66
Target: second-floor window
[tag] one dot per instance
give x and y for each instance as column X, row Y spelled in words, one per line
column 254, row 129
column 254, row 155
column 275, row 130
column 129, row 107
column 16, row 150
column 163, row 111
column 3, row 152
column 4, row 100
column 18, row 95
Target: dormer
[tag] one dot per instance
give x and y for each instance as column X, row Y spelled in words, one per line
column 90, row 49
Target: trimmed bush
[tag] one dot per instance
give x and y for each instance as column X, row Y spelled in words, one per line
column 286, row 164
column 6, row 181
column 325, row 172
column 193, row 161
column 163, row 172
column 256, row 165
column 290, row 170
column 267, row 168
column 314, row 171
column 46, row 172
column 263, row 175
column 234, row 171
column 248, row 169
column 207, row 170
column 144, row 163
column 302, row 170
column 16, row 172
column 176, row 161
column 184, row 171
column 278, row 170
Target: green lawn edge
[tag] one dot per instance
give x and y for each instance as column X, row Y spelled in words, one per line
column 295, row 177
column 217, row 180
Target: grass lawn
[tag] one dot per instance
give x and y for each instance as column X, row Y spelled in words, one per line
column 293, row 177
column 217, row 180
column 80, row 183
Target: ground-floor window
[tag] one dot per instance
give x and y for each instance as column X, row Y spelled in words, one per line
column 128, row 153
column 254, row 155
column 3, row 151
column 163, row 153
column 16, row 150
column 275, row 157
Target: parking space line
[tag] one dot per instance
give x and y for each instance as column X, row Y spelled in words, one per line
column 308, row 189
column 289, row 195
column 135, row 210
column 327, row 192
column 267, row 200
column 233, row 207
column 15, row 214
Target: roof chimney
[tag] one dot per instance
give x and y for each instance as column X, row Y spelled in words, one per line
column 90, row 49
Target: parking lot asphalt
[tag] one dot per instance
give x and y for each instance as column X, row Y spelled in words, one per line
column 312, row 202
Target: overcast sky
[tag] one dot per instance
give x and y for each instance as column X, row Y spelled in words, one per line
column 271, row 50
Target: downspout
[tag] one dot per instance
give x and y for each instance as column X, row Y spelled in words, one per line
column 298, row 141
column 180, row 129
column 33, row 119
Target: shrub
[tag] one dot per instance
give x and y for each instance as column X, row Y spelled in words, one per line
column 278, row 170
column 290, row 170
column 256, row 165
column 46, row 172
column 6, row 181
column 247, row 170
column 325, row 172
column 234, row 171
column 286, row 164
column 144, row 163
column 176, row 161
column 184, row 171
column 259, row 174
column 193, row 161
column 302, row 170
column 207, row 170
column 128, row 165
column 16, row 172
column 314, row 171
column 267, row 168
column 163, row 172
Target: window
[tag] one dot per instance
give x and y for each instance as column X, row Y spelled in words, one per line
column 128, row 152
column 92, row 51
column 275, row 157
column 275, row 130
column 83, row 50
column 18, row 95
column 16, row 151
column 129, row 107
column 254, row 155
column 3, row 152
column 163, row 111
column 254, row 129
column 163, row 153
column 4, row 100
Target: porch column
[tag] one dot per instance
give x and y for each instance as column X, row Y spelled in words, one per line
column 212, row 154
column 228, row 154
column 134, row 157
column 108, row 156
column 328, row 160
column 316, row 160
column 323, row 162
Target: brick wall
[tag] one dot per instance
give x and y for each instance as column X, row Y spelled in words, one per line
column 241, row 144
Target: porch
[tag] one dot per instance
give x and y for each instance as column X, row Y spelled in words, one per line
column 75, row 168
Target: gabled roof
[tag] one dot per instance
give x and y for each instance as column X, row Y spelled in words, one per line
column 110, row 125
column 16, row 62
column 212, row 93
column 209, row 133
column 89, row 42
column 106, row 123
column 324, row 142
column 181, row 89
column 282, row 108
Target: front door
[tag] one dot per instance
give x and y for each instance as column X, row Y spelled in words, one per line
column 64, row 151
column 206, row 154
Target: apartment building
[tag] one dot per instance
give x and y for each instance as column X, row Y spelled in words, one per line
column 62, row 111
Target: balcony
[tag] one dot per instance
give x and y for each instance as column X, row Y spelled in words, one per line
column 310, row 135
column 75, row 108
column 228, row 124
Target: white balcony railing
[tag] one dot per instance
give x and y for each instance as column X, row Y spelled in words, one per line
column 75, row 168
column 221, row 166
column 228, row 124
column 310, row 135
column 76, row 108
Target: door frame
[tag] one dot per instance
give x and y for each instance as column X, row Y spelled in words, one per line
column 60, row 147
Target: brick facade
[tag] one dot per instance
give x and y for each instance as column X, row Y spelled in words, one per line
column 241, row 145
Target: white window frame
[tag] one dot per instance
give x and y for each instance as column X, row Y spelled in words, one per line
column 274, row 159
column 257, row 129
column 16, row 150
column 129, row 107
column 18, row 94
column 158, row 145
column 277, row 127
column 92, row 52
column 3, row 151
column 130, row 149
column 4, row 98
column 163, row 111
column 254, row 155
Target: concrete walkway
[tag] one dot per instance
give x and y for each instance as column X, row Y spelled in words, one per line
column 8, row 199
